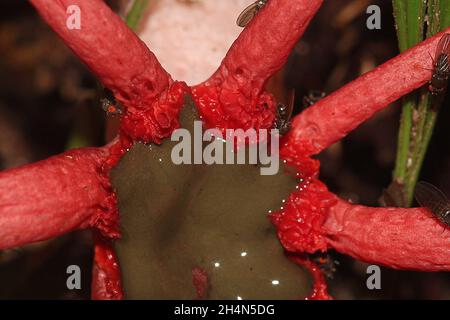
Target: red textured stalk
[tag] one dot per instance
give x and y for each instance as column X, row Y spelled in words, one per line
column 123, row 63
column 320, row 288
column 233, row 97
column 335, row 116
column 54, row 196
column 394, row 237
column 110, row 49
column 106, row 281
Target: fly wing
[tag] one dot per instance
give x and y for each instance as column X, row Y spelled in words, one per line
column 443, row 46
column 290, row 105
column 247, row 15
column 432, row 198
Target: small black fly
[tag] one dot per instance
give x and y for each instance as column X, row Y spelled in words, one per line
column 284, row 115
column 430, row 197
column 441, row 66
column 249, row 13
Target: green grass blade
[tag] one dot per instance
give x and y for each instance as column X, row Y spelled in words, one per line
column 400, row 23
column 415, row 18
column 410, row 24
column 444, row 10
column 135, row 14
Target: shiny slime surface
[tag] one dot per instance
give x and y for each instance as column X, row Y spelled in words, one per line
column 199, row 231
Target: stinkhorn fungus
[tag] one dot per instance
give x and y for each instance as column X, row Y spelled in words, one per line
column 234, row 96
column 72, row 190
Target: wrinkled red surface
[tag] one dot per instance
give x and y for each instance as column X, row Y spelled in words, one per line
column 394, row 237
column 123, row 63
column 233, row 97
column 299, row 223
column 106, row 283
column 54, row 196
column 320, row 288
column 155, row 122
column 112, row 51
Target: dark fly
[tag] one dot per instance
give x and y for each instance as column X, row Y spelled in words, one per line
column 441, row 66
column 110, row 105
column 250, row 12
column 433, row 199
column 284, row 114
column 312, row 97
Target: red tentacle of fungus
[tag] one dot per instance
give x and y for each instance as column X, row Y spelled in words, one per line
column 233, row 97
column 315, row 219
column 123, row 63
column 395, row 237
column 106, row 281
column 320, row 288
column 54, row 196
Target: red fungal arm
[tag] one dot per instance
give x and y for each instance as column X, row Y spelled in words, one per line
column 320, row 288
column 106, row 281
column 109, row 48
column 394, row 237
column 123, row 63
column 313, row 219
column 233, row 97
column 54, row 196
column 335, row 116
